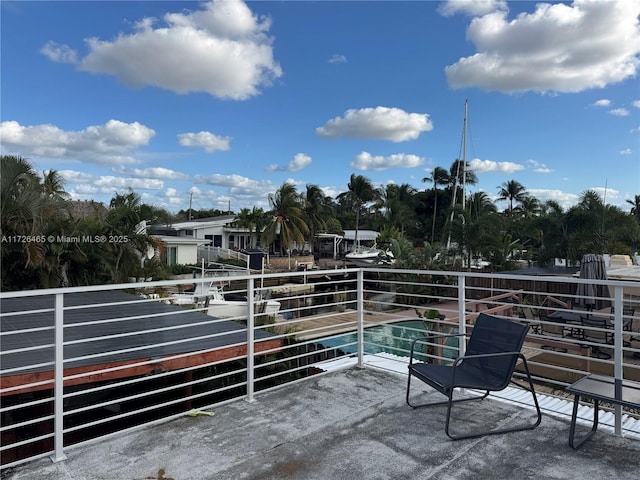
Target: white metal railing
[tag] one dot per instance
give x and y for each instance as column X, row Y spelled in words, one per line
column 82, row 363
column 212, row 254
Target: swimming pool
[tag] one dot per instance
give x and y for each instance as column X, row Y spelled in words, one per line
column 392, row 338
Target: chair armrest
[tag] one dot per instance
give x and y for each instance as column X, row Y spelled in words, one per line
column 459, row 360
column 427, row 339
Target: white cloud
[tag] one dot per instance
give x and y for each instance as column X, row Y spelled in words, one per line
column 206, row 140
column 601, row 103
column 222, row 49
column 473, row 8
column 539, row 167
column 636, row 103
column 59, row 53
column 237, row 184
column 626, row 151
column 566, row 200
column 366, row 161
column 300, row 161
column 110, row 182
column 108, row 144
column 381, row 123
column 75, row 176
column 152, row 172
column 557, row 48
column 485, row 166
column 607, row 193
column 84, row 189
column 337, row 58
column 619, row 112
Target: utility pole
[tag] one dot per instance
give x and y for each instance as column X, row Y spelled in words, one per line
column 190, row 203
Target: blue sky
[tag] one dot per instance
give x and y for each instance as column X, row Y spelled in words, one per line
column 224, row 101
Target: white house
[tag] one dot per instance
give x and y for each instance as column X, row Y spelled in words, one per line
column 218, row 231
column 183, row 238
column 181, row 250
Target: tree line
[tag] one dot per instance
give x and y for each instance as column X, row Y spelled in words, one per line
column 437, row 227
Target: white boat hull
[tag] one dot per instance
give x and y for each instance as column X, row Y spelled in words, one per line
column 238, row 309
column 370, row 256
column 212, row 298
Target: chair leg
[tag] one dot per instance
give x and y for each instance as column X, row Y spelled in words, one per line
column 519, row 428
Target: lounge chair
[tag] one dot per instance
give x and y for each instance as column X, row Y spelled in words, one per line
column 488, row 364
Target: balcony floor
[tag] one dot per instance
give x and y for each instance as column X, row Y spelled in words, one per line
column 350, row 424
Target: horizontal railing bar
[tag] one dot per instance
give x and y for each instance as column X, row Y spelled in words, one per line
column 27, row 330
column 154, row 392
column 148, row 409
column 129, row 318
column 42, row 346
column 32, row 403
column 25, row 442
column 147, row 347
column 25, row 423
column 145, row 332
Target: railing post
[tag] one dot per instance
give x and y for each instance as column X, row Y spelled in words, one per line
column 58, row 381
column 618, row 354
column 462, row 312
column 360, row 312
column 250, row 339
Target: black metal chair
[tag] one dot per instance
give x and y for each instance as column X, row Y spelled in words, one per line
column 492, row 352
column 597, row 330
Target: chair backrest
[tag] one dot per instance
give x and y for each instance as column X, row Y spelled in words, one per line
column 593, row 321
column 527, row 312
column 551, row 326
column 495, row 335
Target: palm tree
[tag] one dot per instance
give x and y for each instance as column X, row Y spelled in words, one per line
column 253, row 220
column 529, row 207
column 460, row 173
column 287, row 211
column 439, row 176
column 29, row 208
column 402, row 205
column 22, row 214
column 125, row 223
column 512, row 191
column 635, row 207
column 315, row 210
column 361, row 191
column 53, row 185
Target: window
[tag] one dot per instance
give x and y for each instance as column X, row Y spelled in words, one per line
column 172, row 255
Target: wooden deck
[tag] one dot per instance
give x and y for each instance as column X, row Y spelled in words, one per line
column 326, row 324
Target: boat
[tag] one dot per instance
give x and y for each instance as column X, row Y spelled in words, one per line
column 217, row 303
column 370, row 256
column 234, row 305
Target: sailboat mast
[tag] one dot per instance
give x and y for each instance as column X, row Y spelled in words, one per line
column 464, row 153
column 464, row 171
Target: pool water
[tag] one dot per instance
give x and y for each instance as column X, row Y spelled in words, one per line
column 392, row 338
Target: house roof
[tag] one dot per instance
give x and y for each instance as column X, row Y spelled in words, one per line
column 173, row 240
column 145, row 329
column 351, row 235
column 362, row 235
column 220, row 221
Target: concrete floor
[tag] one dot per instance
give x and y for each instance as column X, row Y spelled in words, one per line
column 351, row 424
